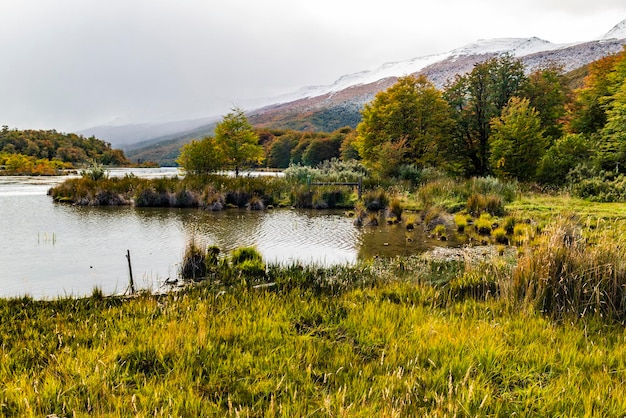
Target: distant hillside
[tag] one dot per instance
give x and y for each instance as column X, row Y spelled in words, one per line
column 50, row 144
column 327, row 108
column 165, row 149
column 127, row 136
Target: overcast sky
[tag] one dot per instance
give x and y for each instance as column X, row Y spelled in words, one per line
column 73, row 64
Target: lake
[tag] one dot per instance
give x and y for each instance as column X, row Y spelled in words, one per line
column 49, row 249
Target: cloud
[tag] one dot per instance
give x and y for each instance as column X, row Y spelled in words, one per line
column 70, row 64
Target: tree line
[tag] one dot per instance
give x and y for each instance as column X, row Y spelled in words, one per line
column 45, row 151
column 495, row 120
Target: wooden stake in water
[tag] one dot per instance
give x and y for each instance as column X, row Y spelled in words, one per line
column 130, row 271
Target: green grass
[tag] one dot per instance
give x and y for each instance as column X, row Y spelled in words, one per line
column 379, row 350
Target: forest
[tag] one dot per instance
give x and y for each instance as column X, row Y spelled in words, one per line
column 46, row 152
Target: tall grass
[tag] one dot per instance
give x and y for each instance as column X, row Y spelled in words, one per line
column 565, row 277
column 381, row 346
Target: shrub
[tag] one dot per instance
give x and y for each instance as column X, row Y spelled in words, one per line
column 95, row 172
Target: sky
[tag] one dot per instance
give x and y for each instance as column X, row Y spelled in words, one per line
column 73, row 64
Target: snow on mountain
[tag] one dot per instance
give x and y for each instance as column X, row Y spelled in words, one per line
column 618, row 31
column 516, row 46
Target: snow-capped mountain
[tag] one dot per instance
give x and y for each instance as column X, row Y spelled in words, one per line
column 353, row 90
column 343, row 100
column 618, row 31
column 517, row 47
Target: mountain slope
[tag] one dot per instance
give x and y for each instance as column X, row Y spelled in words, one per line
column 326, row 108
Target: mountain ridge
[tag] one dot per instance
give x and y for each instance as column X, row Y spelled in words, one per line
column 343, row 100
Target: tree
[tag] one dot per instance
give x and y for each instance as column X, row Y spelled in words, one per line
column 611, row 149
column 548, row 94
column 564, row 155
column 238, row 141
column 411, row 112
column 201, row 156
column 348, row 148
column 279, row 151
column 587, row 113
column 517, row 142
column 321, row 149
column 478, row 97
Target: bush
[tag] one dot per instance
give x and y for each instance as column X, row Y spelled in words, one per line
column 95, row 172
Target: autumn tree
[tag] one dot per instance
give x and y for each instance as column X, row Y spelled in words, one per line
column 548, row 94
column 238, row 141
column 279, row 151
column 478, row 97
column 587, row 113
column 201, row 156
column 517, row 143
column 409, row 120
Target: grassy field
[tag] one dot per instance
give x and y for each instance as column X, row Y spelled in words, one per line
column 390, row 344
column 531, row 330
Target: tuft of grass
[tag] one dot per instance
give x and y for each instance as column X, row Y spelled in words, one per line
column 440, row 232
column 483, row 224
column 500, row 236
column 375, row 200
column 193, row 265
column 461, row 221
column 395, row 208
column 410, row 222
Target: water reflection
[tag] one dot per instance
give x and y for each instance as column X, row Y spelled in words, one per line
column 53, row 249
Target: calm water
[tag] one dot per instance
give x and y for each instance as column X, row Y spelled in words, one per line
column 49, row 249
